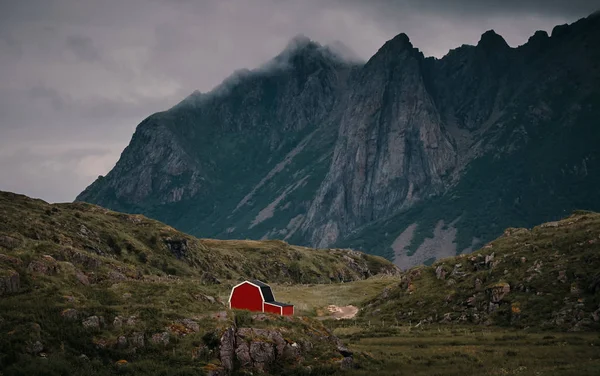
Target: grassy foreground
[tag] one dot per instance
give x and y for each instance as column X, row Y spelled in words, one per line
column 460, row 351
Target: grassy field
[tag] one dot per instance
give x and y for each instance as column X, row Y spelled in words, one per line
column 444, row 350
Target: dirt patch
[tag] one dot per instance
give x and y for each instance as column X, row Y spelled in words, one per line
column 340, row 313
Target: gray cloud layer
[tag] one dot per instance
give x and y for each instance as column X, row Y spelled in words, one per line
column 79, row 75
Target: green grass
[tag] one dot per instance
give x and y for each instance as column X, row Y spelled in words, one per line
column 474, row 351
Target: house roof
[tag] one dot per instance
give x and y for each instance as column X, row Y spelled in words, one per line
column 265, row 289
column 280, row 304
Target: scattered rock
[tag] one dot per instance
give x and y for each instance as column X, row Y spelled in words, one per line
column 91, row 322
column 122, row 342
column 159, row 338
column 191, row 325
column 498, row 291
column 82, row 278
column 114, row 275
column 178, row 247
column 262, row 354
column 207, row 298
column 118, row 322
column 36, row 348
column 10, row 260
column 227, row 349
column 562, row 276
column 70, row 314
column 440, row 272
column 44, row 266
column 347, row 363
column 9, row 242
column 10, row 282
column 131, row 321
column 209, row 279
column 137, row 339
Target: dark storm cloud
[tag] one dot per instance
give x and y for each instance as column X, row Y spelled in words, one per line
column 562, row 8
column 78, row 75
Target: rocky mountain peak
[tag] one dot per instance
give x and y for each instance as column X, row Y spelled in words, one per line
column 400, row 42
column 491, row 40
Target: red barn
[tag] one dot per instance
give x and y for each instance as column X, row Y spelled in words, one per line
column 257, row 296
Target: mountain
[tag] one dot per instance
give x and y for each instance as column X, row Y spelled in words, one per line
column 405, row 156
column 85, row 290
column 545, row 277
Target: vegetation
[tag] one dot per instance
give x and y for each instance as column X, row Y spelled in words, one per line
column 546, row 277
column 84, row 290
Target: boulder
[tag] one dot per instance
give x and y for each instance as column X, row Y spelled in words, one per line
column 10, row 259
column 440, row 272
column 178, row 247
column 227, row 349
column 347, row 363
column 498, row 291
column 159, row 338
column 191, row 325
column 9, row 242
column 10, row 282
column 46, row 266
column 137, row 339
column 70, row 314
column 91, row 322
column 82, row 278
column 262, row 354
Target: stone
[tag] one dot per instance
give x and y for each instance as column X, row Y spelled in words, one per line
column 36, row 348
column 43, row 266
column 209, row 279
column 118, row 322
column 347, row 363
column 178, row 247
column 227, row 349
column 114, row 275
column 122, row 341
column 10, row 282
column 9, row 242
column 242, row 354
column 498, row 291
column 262, row 354
column 191, row 325
column 562, row 276
column 440, row 272
column 160, row 338
column 131, row 321
column 70, row 314
column 91, row 322
column 82, row 278
column 137, row 339
column 10, row 259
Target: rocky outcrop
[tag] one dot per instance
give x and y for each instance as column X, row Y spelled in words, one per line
column 261, row 349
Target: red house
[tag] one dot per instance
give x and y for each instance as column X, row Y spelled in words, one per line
column 257, row 296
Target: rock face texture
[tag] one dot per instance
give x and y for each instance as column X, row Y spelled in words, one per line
column 320, row 151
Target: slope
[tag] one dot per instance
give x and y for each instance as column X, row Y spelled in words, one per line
column 545, row 278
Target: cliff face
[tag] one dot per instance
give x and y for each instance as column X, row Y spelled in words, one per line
column 392, row 148
column 404, row 156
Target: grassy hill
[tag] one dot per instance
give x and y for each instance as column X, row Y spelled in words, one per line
column 546, row 277
column 84, row 290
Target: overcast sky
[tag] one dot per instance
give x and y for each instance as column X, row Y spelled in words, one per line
column 77, row 76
